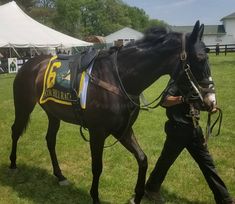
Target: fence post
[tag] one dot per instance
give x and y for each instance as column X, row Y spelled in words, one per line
column 225, row 50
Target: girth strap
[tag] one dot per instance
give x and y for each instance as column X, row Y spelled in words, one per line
column 105, row 85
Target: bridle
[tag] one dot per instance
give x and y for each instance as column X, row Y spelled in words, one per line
column 187, row 69
column 197, row 88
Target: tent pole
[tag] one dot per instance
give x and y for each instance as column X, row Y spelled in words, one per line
column 10, row 51
column 16, row 52
column 36, row 50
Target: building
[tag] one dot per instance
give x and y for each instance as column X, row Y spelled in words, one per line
column 223, row 34
column 123, row 36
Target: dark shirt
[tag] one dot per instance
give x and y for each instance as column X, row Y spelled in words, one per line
column 180, row 112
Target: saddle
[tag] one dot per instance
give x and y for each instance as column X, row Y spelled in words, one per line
column 66, row 78
column 77, row 64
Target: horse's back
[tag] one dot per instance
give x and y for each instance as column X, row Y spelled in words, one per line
column 32, row 64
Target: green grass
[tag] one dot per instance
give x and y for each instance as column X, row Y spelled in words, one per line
column 184, row 184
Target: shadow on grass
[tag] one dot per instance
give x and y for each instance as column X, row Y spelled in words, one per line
column 39, row 186
column 173, row 198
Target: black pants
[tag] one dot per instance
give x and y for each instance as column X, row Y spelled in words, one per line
column 180, row 136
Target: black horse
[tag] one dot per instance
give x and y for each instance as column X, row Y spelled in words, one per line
column 113, row 104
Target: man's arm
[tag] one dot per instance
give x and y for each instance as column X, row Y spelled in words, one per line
column 172, row 100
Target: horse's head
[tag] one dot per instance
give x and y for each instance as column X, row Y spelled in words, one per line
column 194, row 77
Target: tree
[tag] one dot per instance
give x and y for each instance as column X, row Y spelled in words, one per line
column 67, row 18
column 24, row 4
column 43, row 15
column 139, row 19
column 156, row 22
column 91, row 17
column 46, row 3
column 100, row 17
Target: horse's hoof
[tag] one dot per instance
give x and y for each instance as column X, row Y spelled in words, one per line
column 64, row 183
column 13, row 170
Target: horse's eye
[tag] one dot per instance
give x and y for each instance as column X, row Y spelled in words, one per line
column 200, row 57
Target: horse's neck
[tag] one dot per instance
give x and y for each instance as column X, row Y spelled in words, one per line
column 139, row 72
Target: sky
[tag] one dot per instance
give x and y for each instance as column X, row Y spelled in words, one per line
column 186, row 12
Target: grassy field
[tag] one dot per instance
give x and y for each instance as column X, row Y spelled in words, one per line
column 34, row 182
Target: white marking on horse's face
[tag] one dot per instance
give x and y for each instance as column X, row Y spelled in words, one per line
column 210, row 100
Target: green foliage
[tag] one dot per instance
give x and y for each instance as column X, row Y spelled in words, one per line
column 138, row 17
column 34, row 182
column 43, row 15
column 97, row 17
column 46, row 3
column 155, row 22
column 67, row 16
column 25, row 4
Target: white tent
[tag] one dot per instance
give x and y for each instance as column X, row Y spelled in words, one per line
column 19, row 30
column 3, row 43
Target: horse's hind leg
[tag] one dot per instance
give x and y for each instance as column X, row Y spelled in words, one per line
column 23, row 109
column 52, row 130
column 130, row 143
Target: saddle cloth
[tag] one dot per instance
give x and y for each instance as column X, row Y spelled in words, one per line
column 57, row 84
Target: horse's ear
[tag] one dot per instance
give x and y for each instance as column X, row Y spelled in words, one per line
column 200, row 33
column 194, row 34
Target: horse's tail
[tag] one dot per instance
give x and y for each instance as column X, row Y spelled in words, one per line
column 24, row 90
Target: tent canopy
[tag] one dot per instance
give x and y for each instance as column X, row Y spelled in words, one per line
column 19, row 30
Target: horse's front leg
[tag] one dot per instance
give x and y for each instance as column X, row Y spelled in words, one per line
column 97, row 138
column 130, row 143
column 53, row 128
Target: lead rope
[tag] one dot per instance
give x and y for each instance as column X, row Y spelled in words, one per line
column 209, row 127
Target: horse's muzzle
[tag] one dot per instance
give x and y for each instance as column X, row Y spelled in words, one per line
column 209, row 103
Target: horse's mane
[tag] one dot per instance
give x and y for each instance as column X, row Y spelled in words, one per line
column 158, row 39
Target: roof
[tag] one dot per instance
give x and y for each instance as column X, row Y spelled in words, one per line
column 230, row 16
column 95, row 39
column 125, row 33
column 17, row 29
column 208, row 29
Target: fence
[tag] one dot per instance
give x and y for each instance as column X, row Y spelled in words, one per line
column 222, row 48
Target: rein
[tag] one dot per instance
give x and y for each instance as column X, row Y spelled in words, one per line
column 209, row 127
column 145, row 106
